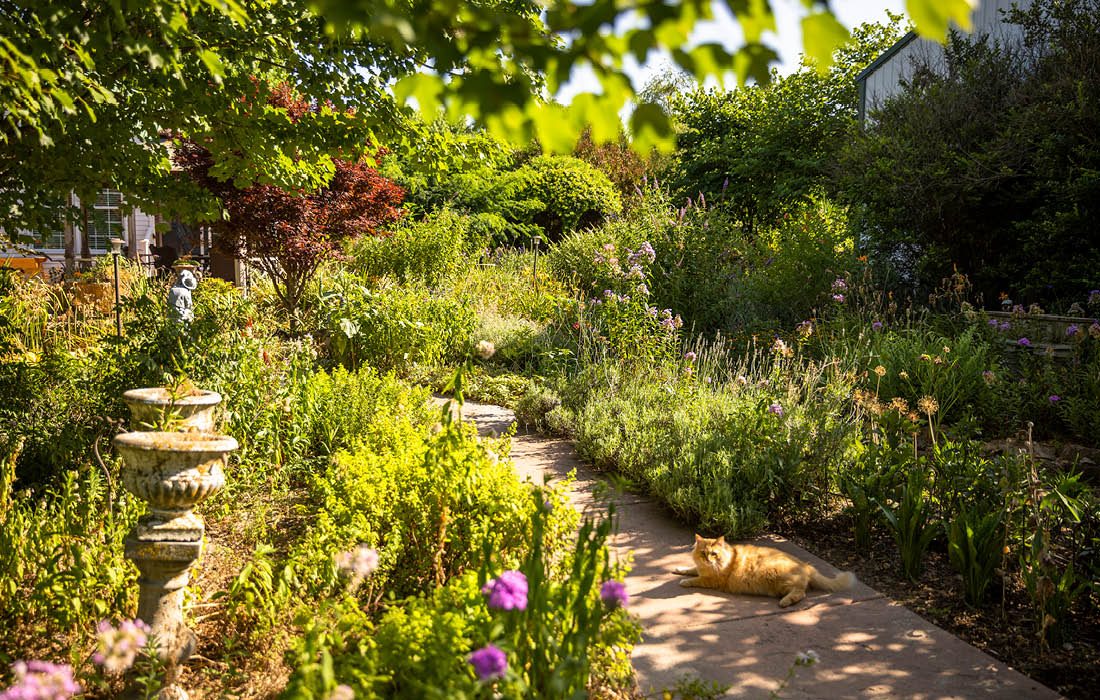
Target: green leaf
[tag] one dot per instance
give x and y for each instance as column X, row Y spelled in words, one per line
column 650, row 128
column 425, row 88
column 754, row 16
column 932, row 18
column 213, row 63
column 821, row 35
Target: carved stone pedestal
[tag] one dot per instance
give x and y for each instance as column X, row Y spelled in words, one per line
column 165, row 571
column 173, row 472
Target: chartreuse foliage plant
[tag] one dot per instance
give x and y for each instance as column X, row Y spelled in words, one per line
column 549, row 624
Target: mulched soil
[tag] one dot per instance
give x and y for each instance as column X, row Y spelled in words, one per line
column 1073, row 669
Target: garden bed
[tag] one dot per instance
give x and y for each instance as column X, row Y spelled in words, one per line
column 1073, row 669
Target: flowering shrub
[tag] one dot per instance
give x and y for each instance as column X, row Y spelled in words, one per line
column 553, row 627
column 41, row 680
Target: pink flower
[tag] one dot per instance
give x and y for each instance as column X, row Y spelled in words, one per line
column 117, row 648
column 41, row 680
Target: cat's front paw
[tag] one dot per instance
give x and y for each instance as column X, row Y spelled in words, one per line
column 682, row 571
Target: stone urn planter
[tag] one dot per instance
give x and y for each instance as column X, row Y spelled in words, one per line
column 157, row 407
column 173, row 472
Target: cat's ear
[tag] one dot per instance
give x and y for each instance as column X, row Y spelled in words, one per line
column 698, row 538
column 721, row 539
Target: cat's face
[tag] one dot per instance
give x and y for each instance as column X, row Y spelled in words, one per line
column 712, row 554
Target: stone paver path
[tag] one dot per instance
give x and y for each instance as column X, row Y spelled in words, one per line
column 870, row 647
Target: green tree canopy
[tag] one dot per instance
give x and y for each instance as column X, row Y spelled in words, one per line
column 763, row 150
column 89, row 86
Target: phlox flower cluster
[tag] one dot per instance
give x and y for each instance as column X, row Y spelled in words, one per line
column 670, row 322
column 507, row 592
column 776, row 409
column 118, row 647
column 357, row 564
column 41, row 680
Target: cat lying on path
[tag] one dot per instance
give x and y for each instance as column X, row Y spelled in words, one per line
column 746, row 568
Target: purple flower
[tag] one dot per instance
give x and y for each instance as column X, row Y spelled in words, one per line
column 725, row 184
column 838, row 298
column 1024, row 342
column 776, row 409
column 614, row 595
column 507, row 592
column 993, row 323
column 41, row 680
column 608, row 293
column 118, row 648
column 489, row 662
column 840, row 284
column 1055, row 398
column 689, row 356
column 1004, row 326
column 1073, row 329
column 876, row 326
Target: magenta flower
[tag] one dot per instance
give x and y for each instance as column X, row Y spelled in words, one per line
column 877, row 326
column 41, row 680
column 117, row 648
column 776, row 409
column 489, row 662
column 1055, row 398
column 614, row 595
column 507, row 592
column 1073, row 330
column 838, row 298
column 840, row 284
column 1024, row 342
column 689, row 356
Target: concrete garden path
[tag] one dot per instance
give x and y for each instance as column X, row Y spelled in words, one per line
column 869, row 646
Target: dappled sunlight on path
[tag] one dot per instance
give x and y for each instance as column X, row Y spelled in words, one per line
column 869, row 646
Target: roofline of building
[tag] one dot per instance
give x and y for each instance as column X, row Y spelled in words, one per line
column 886, row 56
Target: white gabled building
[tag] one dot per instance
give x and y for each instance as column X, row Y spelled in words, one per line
column 884, row 77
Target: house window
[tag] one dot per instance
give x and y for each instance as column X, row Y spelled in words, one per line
column 105, row 220
column 51, row 234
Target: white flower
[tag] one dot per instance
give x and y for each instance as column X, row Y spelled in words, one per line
column 806, row 658
column 485, row 349
column 342, row 692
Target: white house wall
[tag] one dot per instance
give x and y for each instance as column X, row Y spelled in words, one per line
column 885, row 80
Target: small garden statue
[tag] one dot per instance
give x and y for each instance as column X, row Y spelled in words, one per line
column 179, row 297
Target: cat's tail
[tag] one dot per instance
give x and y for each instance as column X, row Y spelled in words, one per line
column 840, row 582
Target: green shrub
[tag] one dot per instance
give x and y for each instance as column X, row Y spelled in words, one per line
column 571, row 194
column 428, row 250
column 725, row 457
column 392, row 327
column 426, row 501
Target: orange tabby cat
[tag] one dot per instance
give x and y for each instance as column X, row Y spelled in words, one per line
column 746, row 568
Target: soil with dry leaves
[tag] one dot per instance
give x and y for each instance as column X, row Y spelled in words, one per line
column 1003, row 628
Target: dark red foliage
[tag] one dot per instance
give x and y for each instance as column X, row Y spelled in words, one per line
column 289, row 234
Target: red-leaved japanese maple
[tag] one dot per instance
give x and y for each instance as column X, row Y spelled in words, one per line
column 288, row 234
